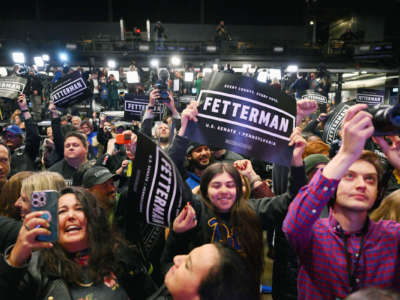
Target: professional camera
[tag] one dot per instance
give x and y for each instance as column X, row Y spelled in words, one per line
column 162, row 86
column 386, row 119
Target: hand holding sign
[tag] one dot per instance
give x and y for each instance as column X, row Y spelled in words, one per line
column 299, row 143
column 188, row 114
column 186, row 220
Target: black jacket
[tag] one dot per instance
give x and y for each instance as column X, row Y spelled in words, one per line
column 23, row 158
column 32, row 282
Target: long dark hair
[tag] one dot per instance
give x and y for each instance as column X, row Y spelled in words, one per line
column 102, row 244
column 242, row 217
column 230, row 278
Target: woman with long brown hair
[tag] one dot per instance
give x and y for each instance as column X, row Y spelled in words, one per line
column 222, row 214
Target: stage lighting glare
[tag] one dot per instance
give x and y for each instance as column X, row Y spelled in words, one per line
column 63, row 56
column 46, row 57
column 38, row 61
column 154, row 63
column 189, row 76
column 175, row 60
column 211, row 48
column 215, row 67
column 18, row 57
column 111, row 64
column 278, row 49
column 292, row 68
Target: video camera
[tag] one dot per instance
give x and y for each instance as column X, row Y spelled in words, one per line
column 162, row 86
column 386, row 119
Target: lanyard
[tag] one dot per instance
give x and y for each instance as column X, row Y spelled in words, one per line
column 351, row 273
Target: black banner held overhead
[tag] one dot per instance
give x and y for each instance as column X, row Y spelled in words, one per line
column 12, row 86
column 243, row 115
column 156, row 184
column 319, row 98
column 134, row 107
column 334, row 121
column 70, row 89
column 370, row 96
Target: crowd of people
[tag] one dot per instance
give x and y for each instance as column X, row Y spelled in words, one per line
column 331, row 217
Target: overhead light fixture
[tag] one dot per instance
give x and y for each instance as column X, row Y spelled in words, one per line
column 175, row 60
column 71, row 46
column 63, row 56
column 154, row 63
column 18, row 57
column 144, row 47
column 365, row 48
column 111, row 64
column 312, row 23
column 132, row 77
column 189, row 76
column 38, row 61
column 278, row 49
column 292, row 68
column 211, row 48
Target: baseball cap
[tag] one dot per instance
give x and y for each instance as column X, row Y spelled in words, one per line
column 97, row 175
column 14, row 129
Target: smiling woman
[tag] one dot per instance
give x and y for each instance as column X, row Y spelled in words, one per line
column 89, row 258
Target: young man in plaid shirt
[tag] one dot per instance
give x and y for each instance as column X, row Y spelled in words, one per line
column 346, row 251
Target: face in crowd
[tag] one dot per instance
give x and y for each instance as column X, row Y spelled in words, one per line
column 222, row 192
column 76, row 122
column 200, row 157
column 85, row 128
column 163, row 132
column 72, row 224
column 4, row 164
column 12, row 141
column 105, row 193
column 358, row 188
column 74, row 148
column 185, row 276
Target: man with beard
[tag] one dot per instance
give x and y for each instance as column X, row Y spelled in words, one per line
column 162, row 134
column 99, row 181
column 198, row 157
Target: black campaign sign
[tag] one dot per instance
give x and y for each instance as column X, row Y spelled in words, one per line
column 155, row 184
column 241, row 114
column 69, row 89
column 12, row 86
column 134, row 107
column 334, row 121
column 370, row 96
column 319, row 98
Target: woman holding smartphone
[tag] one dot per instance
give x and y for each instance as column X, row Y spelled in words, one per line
column 88, row 259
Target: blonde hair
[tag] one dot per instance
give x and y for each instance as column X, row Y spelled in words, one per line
column 44, row 180
column 389, row 209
